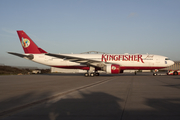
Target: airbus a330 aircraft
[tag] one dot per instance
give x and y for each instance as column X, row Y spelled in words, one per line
column 110, row 63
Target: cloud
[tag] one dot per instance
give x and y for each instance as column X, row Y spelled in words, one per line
column 9, row 31
column 2, row 35
column 133, row 14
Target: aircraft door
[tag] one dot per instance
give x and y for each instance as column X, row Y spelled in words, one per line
column 157, row 60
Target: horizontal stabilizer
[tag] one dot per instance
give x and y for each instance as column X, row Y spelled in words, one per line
column 30, row 57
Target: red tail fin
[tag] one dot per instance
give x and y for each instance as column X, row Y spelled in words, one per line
column 28, row 45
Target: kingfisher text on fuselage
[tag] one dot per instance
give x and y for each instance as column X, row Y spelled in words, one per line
column 107, row 57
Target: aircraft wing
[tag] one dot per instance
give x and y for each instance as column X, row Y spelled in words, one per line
column 77, row 59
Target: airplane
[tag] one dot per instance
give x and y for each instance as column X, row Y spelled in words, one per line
column 110, row 63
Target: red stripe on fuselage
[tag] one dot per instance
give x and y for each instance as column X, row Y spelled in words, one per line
column 122, row 67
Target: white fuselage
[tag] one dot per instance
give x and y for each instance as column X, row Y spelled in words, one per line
column 126, row 61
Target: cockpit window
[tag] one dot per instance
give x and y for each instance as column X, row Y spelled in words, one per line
column 167, row 59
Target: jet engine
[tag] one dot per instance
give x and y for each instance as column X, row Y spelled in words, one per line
column 113, row 68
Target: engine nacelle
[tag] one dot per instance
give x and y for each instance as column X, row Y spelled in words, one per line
column 113, row 68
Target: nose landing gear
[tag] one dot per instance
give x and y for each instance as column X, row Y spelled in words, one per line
column 91, row 74
column 155, row 74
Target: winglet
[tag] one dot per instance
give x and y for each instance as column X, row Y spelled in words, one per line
column 28, row 45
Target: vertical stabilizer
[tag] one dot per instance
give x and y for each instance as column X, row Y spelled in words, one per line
column 28, row 45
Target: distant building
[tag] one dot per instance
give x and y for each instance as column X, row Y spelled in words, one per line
column 36, row 71
column 62, row 70
column 130, row 71
column 146, row 70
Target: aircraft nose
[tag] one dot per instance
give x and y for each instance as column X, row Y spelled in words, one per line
column 171, row 62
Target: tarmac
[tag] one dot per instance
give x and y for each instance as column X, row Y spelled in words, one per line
column 75, row 97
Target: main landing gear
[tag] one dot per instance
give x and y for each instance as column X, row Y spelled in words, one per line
column 91, row 74
column 155, row 72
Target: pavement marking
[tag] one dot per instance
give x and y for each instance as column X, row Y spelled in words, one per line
column 25, row 106
column 130, row 86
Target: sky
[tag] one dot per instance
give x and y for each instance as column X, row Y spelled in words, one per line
column 76, row 26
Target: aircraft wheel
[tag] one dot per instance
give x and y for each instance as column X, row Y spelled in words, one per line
column 175, row 73
column 86, row 74
column 92, row 74
column 154, row 74
column 97, row 74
